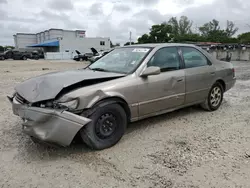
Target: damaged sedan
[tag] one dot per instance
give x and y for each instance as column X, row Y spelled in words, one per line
column 128, row 84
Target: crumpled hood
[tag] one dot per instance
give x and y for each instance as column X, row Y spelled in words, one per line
column 48, row 86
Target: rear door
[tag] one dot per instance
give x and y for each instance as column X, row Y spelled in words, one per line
column 166, row 90
column 199, row 72
column 17, row 55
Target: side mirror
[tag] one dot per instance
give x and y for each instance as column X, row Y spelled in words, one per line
column 151, row 71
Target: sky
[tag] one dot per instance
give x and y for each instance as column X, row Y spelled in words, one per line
column 113, row 18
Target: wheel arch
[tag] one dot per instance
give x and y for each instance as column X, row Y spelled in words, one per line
column 115, row 99
column 109, row 100
column 223, row 84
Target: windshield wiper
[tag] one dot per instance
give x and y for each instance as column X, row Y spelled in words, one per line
column 99, row 69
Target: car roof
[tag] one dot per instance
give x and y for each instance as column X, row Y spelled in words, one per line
column 160, row 45
column 153, row 45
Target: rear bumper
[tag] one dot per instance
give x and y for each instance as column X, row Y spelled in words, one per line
column 230, row 84
column 49, row 125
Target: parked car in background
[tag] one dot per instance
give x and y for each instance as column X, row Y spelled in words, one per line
column 15, row 54
column 37, row 55
column 128, row 84
column 85, row 56
column 100, row 54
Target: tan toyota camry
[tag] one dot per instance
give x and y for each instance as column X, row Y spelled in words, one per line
column 128, row 84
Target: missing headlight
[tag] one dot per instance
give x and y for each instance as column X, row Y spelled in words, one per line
column 69, row 104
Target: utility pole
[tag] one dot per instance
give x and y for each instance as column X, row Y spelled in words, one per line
column 130, row 35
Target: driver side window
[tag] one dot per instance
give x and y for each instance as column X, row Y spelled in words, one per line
column 166, row 58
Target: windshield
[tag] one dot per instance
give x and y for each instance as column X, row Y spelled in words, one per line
column 121, row 60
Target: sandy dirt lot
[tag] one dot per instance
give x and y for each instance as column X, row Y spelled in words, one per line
column 187, row 148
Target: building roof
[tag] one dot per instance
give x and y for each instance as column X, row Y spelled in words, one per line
column 49, row 30
column 25, row 34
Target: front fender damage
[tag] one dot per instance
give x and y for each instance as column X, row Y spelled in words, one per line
column 97, row 96
column 101, row 98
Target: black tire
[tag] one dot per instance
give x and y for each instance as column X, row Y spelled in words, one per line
column 107, row 127
column 24, row 58
column 81, row 59
column 210, row 104
column 2, row 58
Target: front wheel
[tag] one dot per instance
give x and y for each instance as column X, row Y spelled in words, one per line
column 214, row 99
column 24, row 58
column 107, row 127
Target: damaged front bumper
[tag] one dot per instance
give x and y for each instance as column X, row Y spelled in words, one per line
column 49, row 125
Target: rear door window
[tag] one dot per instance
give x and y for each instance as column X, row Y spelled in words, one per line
column 193, row 58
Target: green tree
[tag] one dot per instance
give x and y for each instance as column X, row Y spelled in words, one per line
column 209, row 28
column 114, row 45
column 9, row 47
column 212, row 32
column 128, row 43
column 144, row 39
column 231, row 29
column 180, row 31
column 181, row 27
column 159, row 33
column 244, row 37
column 192, row 37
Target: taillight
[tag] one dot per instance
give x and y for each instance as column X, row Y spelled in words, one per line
column 233, row 70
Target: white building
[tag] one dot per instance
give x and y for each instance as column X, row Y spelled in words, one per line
column 59, row 40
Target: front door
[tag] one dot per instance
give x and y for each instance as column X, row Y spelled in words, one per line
column 200, row 75
column 166, row 90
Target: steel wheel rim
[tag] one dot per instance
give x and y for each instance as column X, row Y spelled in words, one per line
column 106, row 126
column 215, row 97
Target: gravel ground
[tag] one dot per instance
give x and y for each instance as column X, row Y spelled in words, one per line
column 187, row 148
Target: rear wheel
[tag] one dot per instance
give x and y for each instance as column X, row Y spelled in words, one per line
column 81, row 59
column 214, row 98
column 24, row 58
column 2, row 58
column 107, row 127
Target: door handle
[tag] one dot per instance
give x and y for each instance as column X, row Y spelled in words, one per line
column 179, row 80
